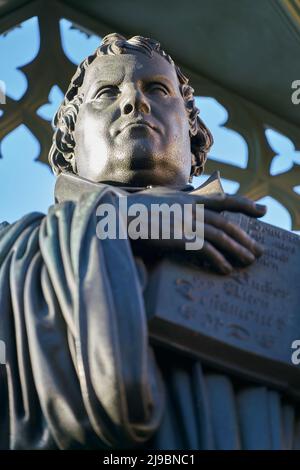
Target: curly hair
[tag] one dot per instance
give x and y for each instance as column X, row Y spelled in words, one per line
column 61, row 155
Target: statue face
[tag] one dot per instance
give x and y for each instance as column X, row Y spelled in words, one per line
column 132, row 127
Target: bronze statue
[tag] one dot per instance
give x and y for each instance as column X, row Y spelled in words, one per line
column 79, row 369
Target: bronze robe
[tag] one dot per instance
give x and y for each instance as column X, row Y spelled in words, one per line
column 80, row 372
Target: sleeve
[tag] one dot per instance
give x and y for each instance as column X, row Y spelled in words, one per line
column 79, row 370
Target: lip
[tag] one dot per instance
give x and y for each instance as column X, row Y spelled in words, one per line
column 137, row 123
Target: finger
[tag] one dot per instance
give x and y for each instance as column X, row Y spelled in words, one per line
column 219, row 239
column 216, row 260
column 234, row 204
column 234, row 231
column 208, row 254
column 245, row 205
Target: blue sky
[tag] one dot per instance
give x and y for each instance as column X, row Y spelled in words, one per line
column 27, row 185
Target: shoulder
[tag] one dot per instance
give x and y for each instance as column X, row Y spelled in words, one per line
column 3, row 225
column 9, row 233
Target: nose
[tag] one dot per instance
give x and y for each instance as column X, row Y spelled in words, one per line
column 134, row 102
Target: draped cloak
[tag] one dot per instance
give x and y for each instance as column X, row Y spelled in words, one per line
column 79, row 371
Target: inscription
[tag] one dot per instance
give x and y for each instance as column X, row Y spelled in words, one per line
column 241, row 321
column 241, row 306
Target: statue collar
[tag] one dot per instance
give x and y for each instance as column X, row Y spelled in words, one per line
column 69, row 187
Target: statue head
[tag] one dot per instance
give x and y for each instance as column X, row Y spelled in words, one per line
column 129, row 117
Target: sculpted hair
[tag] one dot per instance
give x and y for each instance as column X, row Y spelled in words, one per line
column 61, row 155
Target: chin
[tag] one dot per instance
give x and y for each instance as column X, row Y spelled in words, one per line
column 151, row 177
column 142, row 179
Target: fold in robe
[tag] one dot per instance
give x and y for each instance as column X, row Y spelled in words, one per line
column 79, row 371
column 208, row 410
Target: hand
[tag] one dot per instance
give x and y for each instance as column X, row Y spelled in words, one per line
column 225, row 243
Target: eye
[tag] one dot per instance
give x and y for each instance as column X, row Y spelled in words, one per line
column 108, row 91
column 157, row 88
